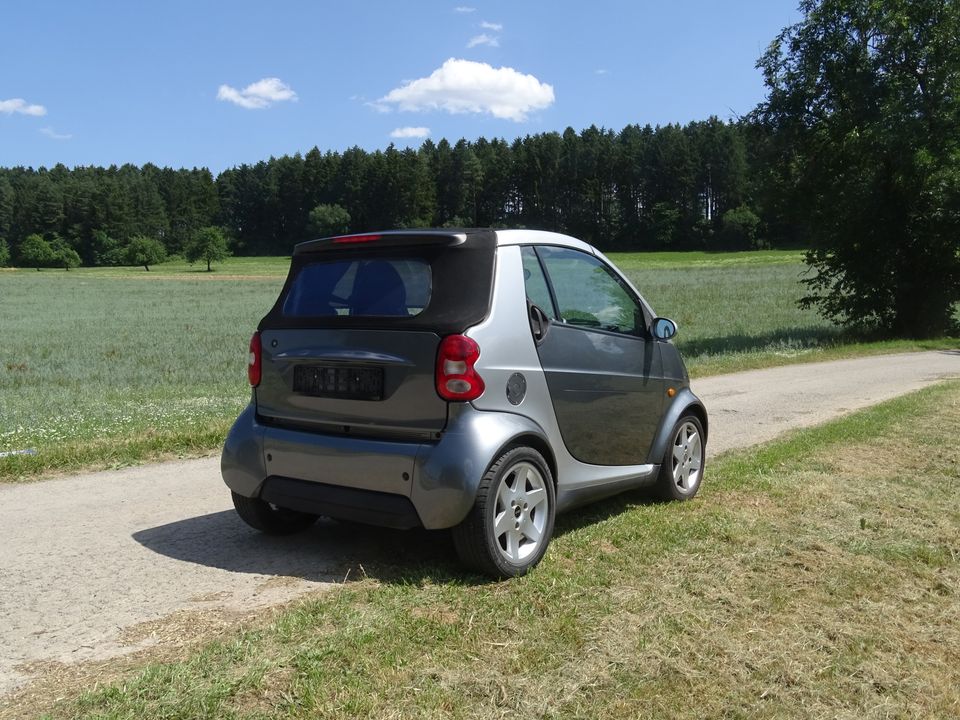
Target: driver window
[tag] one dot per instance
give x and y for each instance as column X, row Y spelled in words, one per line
column 588, row 294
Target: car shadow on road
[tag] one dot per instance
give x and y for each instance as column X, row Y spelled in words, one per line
column 333, row 551
column 330, row 551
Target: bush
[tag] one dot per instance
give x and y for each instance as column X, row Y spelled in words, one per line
column 738, row 229
column 327, row 220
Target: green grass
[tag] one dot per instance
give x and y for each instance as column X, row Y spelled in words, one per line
column 103, row 367
column 100, row 369
column 816, row 576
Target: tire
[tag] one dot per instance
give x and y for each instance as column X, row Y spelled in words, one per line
column 270, row 519
column 681, row 471
column 510, row 525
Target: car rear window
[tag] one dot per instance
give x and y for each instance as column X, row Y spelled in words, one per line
column 397, row 281
column 380, row 287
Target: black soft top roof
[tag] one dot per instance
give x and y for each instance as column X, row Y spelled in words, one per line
column 461, row 262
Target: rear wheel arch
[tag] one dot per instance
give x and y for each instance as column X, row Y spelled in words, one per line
column 539, row 444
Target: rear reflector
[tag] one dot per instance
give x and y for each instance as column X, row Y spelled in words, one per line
column 254, row 362
column 456, row 377
column 356, row 239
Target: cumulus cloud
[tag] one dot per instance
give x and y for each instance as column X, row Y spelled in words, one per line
column 51, row 133
column 464, row 9
column 483, row 39
column 464, row 86
column 410, row 132
column 259, row 95
column 496, row 27
column 21, row 107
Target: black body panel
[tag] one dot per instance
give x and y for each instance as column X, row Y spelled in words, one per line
column 363, row 506
column 607, row 391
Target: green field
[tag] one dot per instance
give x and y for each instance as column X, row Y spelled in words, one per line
column 813, row 577
column 106, row 366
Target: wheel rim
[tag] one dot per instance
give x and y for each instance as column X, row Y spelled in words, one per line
column 521, row 511
column 687, row 458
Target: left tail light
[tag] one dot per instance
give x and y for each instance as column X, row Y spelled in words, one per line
column 456, row 377
column 254, row 365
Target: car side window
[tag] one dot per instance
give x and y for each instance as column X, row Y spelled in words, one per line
column 536, row 283
column 589, row 294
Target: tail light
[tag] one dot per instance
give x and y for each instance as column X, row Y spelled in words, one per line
column 254, row 363
column 456, row 377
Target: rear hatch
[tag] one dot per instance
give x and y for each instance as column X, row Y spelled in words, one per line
column 351, row 345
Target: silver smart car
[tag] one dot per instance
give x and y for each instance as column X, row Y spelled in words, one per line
column 478, row 380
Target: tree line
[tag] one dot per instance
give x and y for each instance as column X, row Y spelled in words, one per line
column 637, row 189
column 854, row 155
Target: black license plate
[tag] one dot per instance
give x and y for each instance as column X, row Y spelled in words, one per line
column 339, row 381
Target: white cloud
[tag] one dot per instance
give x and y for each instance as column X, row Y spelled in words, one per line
column 483, row 39
column 379, row 107
column 20, row 106
column 51, row 133
column 464, row 86
column 410, row 132
column 496, row 27
column 464, row 9
column 601, row 71
column 259, row 95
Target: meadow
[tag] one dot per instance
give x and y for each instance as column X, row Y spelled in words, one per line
column 101, row 367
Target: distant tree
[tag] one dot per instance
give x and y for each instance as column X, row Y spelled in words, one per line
column 327, row 220
column 145, row 251
column 64, row 255
column 208, row 244
column 105, row 250
column 738, row 229
column 864, row 99
column 36, row 252
column 665, row 221
column 4, row 253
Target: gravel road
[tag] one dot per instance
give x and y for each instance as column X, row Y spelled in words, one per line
column 90, row 563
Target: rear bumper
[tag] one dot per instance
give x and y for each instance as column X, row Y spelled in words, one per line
column 373, row 481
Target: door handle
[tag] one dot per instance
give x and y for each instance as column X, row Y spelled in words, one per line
column 539, row 323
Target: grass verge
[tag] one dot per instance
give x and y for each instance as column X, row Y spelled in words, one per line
column 816, row 576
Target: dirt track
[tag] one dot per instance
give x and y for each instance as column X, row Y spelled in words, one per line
column 88, row 562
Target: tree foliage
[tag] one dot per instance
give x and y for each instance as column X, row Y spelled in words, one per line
column 4, row 253
column 63, row 255
column 207, row 244
column 639, row 188
column 145, row 251
column 326, row 220
column 864, row 113
column 36, row 252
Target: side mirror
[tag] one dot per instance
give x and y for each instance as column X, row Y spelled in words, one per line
column 664, row 329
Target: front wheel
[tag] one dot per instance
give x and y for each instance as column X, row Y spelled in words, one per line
column 271, row 519
column 683, row 462
column 509, row 527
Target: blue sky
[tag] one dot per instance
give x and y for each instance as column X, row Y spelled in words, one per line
column 216, row 84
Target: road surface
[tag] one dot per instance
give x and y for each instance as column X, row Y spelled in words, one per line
column 90, row 563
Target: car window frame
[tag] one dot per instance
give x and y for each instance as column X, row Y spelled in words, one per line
column 642, row 332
